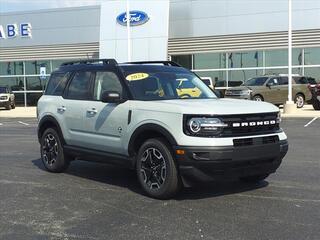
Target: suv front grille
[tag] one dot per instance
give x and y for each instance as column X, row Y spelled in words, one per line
column 250, row 124
column 233, row 92
column 255, row 141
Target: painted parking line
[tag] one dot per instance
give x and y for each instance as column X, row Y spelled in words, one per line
column 23, row 123
column 315, row 118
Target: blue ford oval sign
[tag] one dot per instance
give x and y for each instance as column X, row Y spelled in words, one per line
column 136, row 18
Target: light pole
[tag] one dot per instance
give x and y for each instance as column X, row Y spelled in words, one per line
column 289, row 107
column 128, row 31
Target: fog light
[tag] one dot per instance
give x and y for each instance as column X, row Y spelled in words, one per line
column 180, row 152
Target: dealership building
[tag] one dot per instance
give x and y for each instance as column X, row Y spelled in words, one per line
column 225, row 40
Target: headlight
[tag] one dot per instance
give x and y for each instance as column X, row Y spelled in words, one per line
column 228, row 92
column 203, row 126
column 245, row 92
column 279, row 117
column 3, row 98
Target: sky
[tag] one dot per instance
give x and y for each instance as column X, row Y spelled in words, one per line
column 25, row 5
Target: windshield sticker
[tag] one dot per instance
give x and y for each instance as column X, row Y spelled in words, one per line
column 137, row 76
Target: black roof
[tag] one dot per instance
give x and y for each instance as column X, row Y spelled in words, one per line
column 102, row 64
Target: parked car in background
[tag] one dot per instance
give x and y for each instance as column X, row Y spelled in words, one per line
column 273, row 89
column 7, row 98
column 315, row 91
column 187, row 89
column 208, row 81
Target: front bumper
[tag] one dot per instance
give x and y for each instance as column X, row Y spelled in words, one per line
column 230, row 162
column 4, row 103
column 243, row 97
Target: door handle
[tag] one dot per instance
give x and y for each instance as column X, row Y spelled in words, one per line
column 61, row 109
column 92, row 111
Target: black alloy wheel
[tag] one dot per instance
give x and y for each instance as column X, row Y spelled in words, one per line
column 157, row 170
column 52, row 152
column 153, row 168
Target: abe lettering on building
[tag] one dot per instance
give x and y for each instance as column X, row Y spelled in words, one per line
column 13, row 30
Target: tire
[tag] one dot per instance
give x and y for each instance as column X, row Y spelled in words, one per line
column 299, row 100
column 13, row 105
column 257, row 98
column 255, row 178
column 52, row 153
column 160, row 178
column 316, row 104
column 8, row 107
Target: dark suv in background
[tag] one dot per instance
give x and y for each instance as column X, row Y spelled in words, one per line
column 315, row 91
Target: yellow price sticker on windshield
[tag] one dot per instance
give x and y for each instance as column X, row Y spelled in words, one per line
column 137, row 76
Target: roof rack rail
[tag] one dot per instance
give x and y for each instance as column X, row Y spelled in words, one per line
column 92, row 60
column 166, row 63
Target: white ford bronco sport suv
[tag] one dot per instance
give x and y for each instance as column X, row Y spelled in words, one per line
column 131, row 114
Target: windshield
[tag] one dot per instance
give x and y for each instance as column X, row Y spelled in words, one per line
column 158, row 84
column 3, row 90
column 255, row 81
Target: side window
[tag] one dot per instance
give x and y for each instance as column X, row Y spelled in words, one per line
column 300, row 80
column 284, row 81
column 79, row 87
column 106, row 81
column 57, row 84
column 274, row 81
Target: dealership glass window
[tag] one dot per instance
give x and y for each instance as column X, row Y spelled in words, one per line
column 33, row 67
column 209, row 60
column 15, row 83
column 218, row 77
column 11, row 68
column 32, row 98
column 245, row 59
column 278, row 57
column 238, row 77
column 35, row 83
column 57, row 63
column 313, row 72
column 277, row 71
column 19, row 98
column 298, row 70
column 297, row 56
column 183, row 60
column 312, row 56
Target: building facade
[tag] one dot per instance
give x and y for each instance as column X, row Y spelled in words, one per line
column 225, row 40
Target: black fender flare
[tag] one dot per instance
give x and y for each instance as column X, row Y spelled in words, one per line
column 150, row 127
column 48, row 119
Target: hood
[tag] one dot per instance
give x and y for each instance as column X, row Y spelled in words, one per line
column 221, row 106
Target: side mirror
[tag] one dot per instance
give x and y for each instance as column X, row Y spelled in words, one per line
column 111, row 97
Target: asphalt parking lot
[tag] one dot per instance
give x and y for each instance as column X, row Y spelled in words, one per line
column 94, row 201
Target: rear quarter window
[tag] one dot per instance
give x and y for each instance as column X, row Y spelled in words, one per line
column 57, row 83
